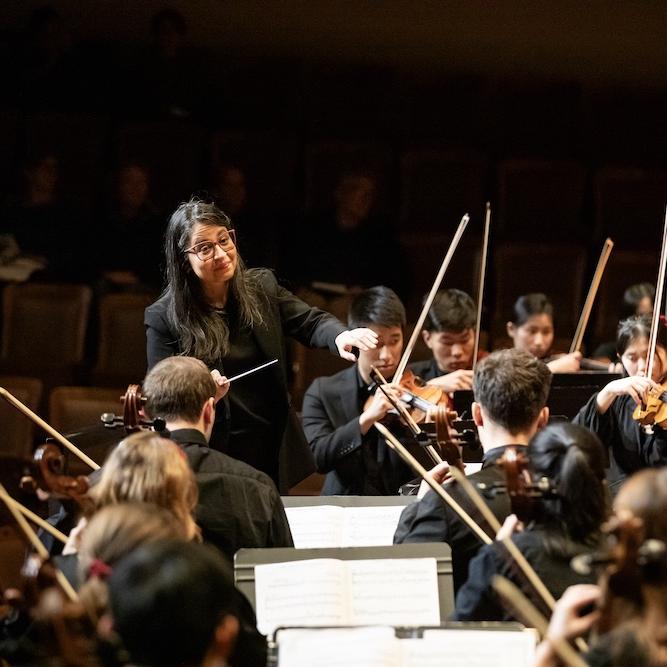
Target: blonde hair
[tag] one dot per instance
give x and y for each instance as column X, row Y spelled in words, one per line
column 146, row 467
column 112, row 533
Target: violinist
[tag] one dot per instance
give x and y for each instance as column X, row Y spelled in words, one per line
column 531, row 328
column 511, row 389
column 338, row 416
column 638, row 617
column 234, row 319
column 609, row 412
column 565, row 524
column 449, row 332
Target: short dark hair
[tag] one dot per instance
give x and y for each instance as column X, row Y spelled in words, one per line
column 376, row 305
column 573, row 458
column 636, row 327
column 451, row 310
column 512, row 386
column 633, row 296
column 528, row 305
column 177, row 388
column 167, row 599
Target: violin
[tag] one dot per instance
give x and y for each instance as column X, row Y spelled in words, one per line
column 626, row 562
column 437, row 414
column 132, row 418
column 653, row 411
column 520, row 485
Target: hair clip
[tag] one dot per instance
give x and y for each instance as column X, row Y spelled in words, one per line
column 98, row 568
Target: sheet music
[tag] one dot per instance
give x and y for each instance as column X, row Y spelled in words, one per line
column 305, row 592
column 316, row 527
column 325, row 591
column 394, row 591
column 324, row 526
column 469, row 648
column 370, row 647
column 370, row 526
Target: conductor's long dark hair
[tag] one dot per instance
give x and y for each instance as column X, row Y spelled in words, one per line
column 572, row 457
column 202, row 331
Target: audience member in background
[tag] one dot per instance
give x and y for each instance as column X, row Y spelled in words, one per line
column 449, row 332
column 175, row 604
column 637, row 300
column 630, row 615
column 531, row 328
column 130, row 258
column 511, row 389
column 336, row 420
column 565, row 525
column 238, row 505
column 43, row 225
column 347, row 244
column 256, row 233
column 609, row 412
column 173, row 72
column 49, row 69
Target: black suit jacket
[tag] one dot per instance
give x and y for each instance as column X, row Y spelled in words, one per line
column 284, row 315
column 331, row 423
column 430, row 520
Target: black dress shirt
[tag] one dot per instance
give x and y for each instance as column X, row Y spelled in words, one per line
column 238, row 505
column 477, row 601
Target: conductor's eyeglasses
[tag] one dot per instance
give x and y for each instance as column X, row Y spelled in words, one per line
column 205, row 250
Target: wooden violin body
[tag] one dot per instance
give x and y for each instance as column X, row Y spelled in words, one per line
column 654, row 411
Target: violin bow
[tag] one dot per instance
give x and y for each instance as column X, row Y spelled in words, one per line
column 657, row 303
column 480, row 287
column 590, row 298
column 402, row 451
column 525, row 608
column 429, row 299
column 37, row 520
column 14, row 402
column 36, row 542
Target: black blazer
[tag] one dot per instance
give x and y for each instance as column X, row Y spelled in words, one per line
column 430, row 520
column 330, row 416
column 285, row 315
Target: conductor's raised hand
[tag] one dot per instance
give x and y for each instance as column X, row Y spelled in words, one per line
column 221, row 384
column 363, row 339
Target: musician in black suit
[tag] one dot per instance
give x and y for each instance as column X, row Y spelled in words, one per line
column 336, row 420
column 511, row 389
column 234, row 319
